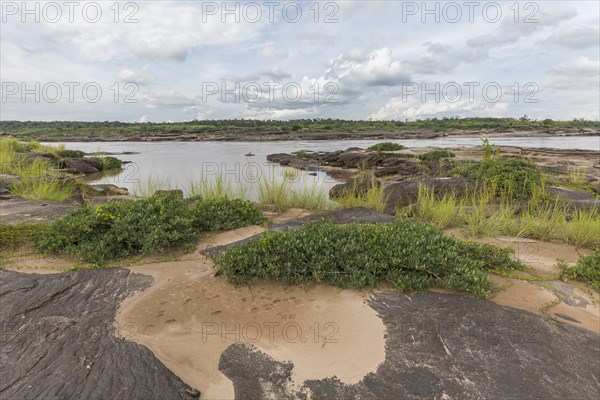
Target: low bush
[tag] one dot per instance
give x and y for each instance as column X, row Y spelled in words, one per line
column 410, row 255
column 70, row 153
column 109, row 162
column 306, row 154
column 14, row 236
column 225, row 214
column 436, row 155
column 120, row 229
column 586, row 270
column 510, row 178
column 386, row 146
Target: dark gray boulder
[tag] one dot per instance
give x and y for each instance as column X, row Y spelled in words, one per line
column 59, row 340
column 447, row 346
column 404, row 193
column 357, row 186
column 79, row 165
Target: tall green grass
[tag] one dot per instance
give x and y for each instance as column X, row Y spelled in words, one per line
column 43, row 189
column 38, row 177
column 281, row 194
column 482, row 214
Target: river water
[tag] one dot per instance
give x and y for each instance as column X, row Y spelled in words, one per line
column 177, row 164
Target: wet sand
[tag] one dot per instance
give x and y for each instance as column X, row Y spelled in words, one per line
column 188, row 318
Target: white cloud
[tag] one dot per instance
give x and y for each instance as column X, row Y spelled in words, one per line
column 412, row 108
column 375, row 69
column 271, row 52
column 575, row 37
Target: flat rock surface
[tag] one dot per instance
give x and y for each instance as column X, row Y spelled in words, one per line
column 445, row 346
column 17, row 210
column 58, row 340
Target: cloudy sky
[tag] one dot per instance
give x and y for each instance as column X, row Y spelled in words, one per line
column 175, row 61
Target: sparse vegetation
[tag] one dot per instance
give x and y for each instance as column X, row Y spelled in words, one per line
column 70, row 153
column 109, row 163
column 306, row 154
column 386, row 146
column 42, row 188
column 479, row 213
column 586, row 270
column 436, row 155
column 409, row 255
column 281, row 194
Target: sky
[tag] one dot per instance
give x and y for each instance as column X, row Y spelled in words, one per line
column 157, row 61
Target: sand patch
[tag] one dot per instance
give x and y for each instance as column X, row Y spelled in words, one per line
column 188, row 318
column 543, row 298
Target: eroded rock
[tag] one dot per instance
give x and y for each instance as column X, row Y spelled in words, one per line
column 447, row 346
column 59, row 340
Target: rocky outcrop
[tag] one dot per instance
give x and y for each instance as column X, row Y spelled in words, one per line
column 356, row 187
column 81, row 165
column 445, row 346
column 292, row 161
column 59, row 340
column 15, row 210
column 402, row 194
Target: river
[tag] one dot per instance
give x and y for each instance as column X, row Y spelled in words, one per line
column 176, row 164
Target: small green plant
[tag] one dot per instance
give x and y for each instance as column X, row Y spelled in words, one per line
column 386, row 146
column 39, row 188
column 444, row 212
column 410, row 255
column 374, row 197
column 109, row 163
column 586, row 270
column 436, row 155
column 306, row 154
column 70, row 153
column 281, row 194
column 490, row 152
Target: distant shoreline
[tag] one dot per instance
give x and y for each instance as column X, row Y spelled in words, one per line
column 262, row 136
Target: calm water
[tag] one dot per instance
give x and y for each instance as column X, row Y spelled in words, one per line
column 175, row 164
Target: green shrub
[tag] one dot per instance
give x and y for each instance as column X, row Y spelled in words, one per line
column 225, row 214
column 120, row 229
column 14, row 236
column 410, row 255
column 305, row 154
column 109, row 162
column 436, row 155
column 586, row 270
column 70, row 153
column 386, row 146
column 510, row 178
